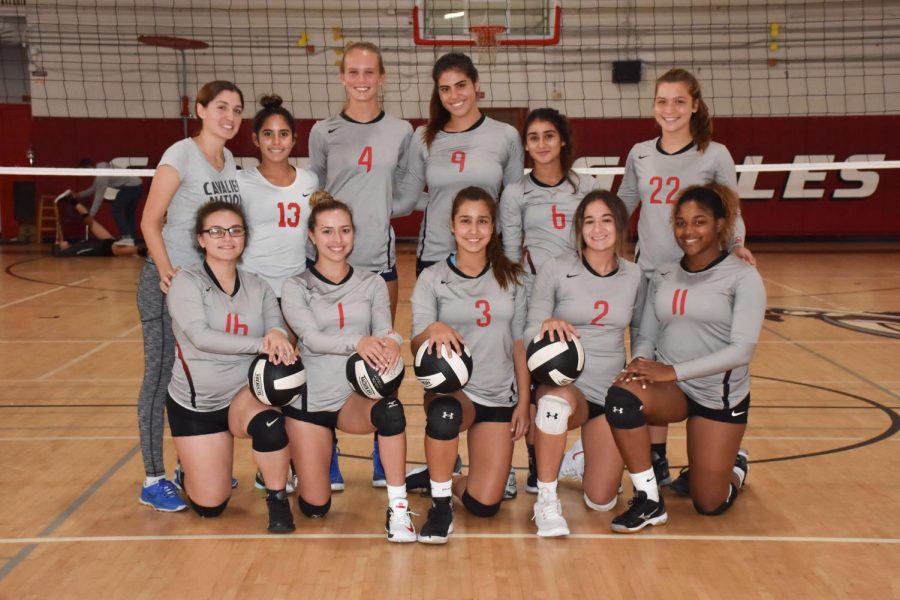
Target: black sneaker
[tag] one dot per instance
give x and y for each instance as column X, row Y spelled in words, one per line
column 681, row 485
column 661, row 469
column 419, row 478
column 439, row 525
column 641, row 512
column 281, row 520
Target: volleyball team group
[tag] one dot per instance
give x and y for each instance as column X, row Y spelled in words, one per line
column 300, row 264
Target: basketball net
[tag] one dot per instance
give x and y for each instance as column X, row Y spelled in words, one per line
column 486, row 42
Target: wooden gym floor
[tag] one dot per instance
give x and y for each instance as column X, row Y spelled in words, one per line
column 818, row 518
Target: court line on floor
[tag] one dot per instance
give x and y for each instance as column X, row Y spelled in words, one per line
column 65, row 514
column 471, row 536
column 44, row 293
column 771, row 438
column 73, row 361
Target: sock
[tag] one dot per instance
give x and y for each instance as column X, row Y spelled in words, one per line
column 548, row 487
column 601, row 507
column 740, row 475
column 645, row 481
column 396, row 492
column 659, row 449
column 273, row 494
column 148, row 481
column 441, row 489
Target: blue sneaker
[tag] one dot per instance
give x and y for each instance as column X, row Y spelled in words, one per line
column 178, row 478
column 162, row 496
column 337, row 480
column 378, row 478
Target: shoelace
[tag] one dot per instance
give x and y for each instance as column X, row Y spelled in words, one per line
column 403, row 517
column 168, row 489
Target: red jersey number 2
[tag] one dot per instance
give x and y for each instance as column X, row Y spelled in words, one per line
column 365, row 159
column 458, row 158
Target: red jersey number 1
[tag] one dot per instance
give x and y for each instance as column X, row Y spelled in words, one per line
column 365, row 159
column 458, row 158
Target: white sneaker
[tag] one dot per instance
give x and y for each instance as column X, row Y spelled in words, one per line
column 512, row 490
column 124, row 241
column 548, row 516
column 399, row 525
column 573, row 462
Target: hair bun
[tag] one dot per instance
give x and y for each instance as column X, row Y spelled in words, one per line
column 271, row 101
column 318, row 197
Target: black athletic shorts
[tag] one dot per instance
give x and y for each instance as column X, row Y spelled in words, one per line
column 492, row 414
column 735, row 414
column 185, row 422
column 322, row 418
column 595, row 410
column 421, row 265
column 389, row 274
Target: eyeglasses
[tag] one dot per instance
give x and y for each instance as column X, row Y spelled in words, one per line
column 234, row 231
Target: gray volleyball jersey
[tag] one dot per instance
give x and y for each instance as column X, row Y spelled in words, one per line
column 600, row 308
column 487, row 155
column 330, row 320
column 539, row 217
column 488, row 317
column 217, row 335
column 654, row 179
column 706, row 325
column 276, row 220
column 200, row 183
column 357, row 163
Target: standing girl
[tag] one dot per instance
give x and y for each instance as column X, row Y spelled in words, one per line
column 459, row 147
column 356, row 155
column 190, row 173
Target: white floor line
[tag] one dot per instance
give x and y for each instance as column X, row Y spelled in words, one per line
column 128, row 332
column 44, row 293
column 805, row 293
column 91, row 380
column 829, row 342
column 472, row 536
column 72, row 340
column 77, row 438
column 69, row 363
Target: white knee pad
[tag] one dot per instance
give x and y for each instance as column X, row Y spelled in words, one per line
column 552, row 414
column 601, row 507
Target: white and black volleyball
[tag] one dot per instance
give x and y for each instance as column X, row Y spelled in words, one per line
column 368, row 382
column 555, row 363
column 276, row 385
column 439, row 371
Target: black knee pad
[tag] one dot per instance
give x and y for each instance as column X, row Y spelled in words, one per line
column 388, row 417
column 624, row 410
column 267, row 431
column 209, row 511
column 732, row 495
column 311, row 510
column 477, row 508
column 444, row 418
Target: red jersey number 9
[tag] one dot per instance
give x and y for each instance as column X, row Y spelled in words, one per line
column 485, row 307
column 458, row 158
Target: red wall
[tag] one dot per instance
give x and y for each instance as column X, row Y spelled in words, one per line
column 63, row 141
